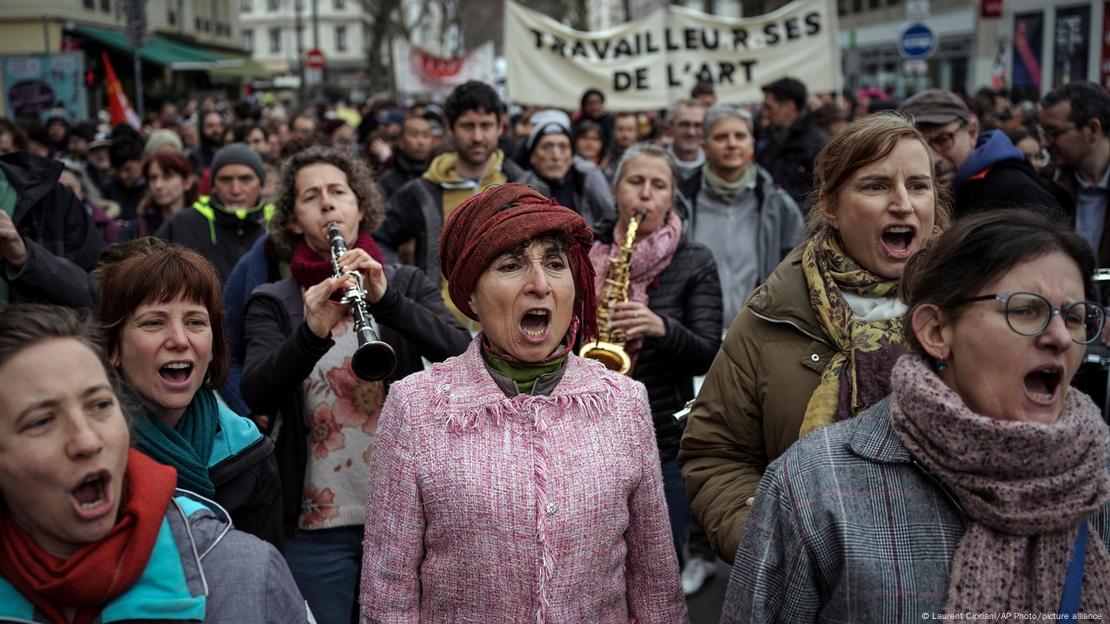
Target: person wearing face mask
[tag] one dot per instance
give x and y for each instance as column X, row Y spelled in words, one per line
column 814, row 344
column 297, row 376
column 94, row 530
column 557, row 172
column 981, row 168
column 549, row 458
column 160, row 312
column 981, row 483
column 671, row 322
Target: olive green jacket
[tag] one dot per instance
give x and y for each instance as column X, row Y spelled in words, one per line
column 752, row 403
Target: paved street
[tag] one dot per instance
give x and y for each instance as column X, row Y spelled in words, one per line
column 705, row 606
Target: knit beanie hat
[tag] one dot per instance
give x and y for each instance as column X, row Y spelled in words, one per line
column 163, row 138
column 548, row 121
column 492, row 222
column 238, row 154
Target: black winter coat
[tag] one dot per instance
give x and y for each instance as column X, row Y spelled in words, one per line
column 404, row 169
column 281, row 352
column 1008, row 184
column 62, row 241
column 789, row 160
column 222, row 242
column 687, row 296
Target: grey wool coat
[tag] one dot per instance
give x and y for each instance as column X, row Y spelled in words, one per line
column 847, row 527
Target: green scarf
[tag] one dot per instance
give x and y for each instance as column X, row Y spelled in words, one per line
column 8, row 197
column 858, row 375
column 187, row 446
column 523, row 373
column 724, row 189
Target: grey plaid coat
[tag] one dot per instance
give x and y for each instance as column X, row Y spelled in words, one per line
column 848, row 528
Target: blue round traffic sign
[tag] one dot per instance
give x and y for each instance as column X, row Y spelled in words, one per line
column 917, row 41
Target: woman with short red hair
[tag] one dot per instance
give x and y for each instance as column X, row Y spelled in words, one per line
column 518, row 482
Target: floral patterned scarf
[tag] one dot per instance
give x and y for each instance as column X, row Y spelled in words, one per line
column 858, row 375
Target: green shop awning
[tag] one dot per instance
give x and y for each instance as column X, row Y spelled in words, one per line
column 160, row 50
column 238, row 66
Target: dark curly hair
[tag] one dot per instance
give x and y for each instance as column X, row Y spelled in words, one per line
column 472, row 95
column 366, row 189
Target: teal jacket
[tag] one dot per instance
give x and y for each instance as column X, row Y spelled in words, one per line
column 244, row 470
column 200, row 570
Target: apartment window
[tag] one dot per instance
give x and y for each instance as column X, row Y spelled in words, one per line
column 341, row 38
column 272, row 5
column 197, row 22
column 248, row 40
column 275, row 40
column 340, row 5
column 106, row 6
column 171, row 17
column 245, row 6
column 89, row 4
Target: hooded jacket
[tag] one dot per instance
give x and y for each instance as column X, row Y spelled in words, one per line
column 589, row 189
column 219, row 234
column 200, row 570
column 62, row 242
column 404, row 170
column 415, row 211
column 996, row 175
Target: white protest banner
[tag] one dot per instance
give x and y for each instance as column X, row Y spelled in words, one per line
column 417, row 71
column 654, row 61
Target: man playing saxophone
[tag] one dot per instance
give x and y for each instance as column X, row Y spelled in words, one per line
column 670, row 322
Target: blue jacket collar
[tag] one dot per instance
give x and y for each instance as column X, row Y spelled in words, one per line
column 992, row 147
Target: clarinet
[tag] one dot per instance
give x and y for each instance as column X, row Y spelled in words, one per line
column 373, row 360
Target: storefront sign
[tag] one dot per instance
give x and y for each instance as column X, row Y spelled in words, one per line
column 654, row 61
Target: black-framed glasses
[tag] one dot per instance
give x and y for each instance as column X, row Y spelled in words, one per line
column 1029, row 314
column 943, row 141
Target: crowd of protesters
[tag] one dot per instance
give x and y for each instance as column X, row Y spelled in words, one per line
column 867, row 284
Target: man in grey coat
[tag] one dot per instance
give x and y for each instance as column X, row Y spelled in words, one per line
column 736, row 209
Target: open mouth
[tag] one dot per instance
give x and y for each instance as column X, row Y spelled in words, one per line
column 1042, row 384
column 176, row 372
column 91, row 497
column 898, row 240
column 534, row 324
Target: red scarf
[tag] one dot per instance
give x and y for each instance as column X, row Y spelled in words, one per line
column 309, row 268
column 97, row 572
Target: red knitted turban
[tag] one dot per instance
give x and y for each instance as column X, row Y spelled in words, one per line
column 501, row 218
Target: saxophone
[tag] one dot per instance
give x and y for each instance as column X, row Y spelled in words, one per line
column 609, row 346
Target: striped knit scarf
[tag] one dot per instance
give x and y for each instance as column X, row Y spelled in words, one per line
column 1025, row 486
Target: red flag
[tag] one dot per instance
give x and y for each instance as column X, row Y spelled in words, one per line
column 118, row 103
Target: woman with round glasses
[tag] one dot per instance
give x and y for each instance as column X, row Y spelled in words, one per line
column 981, row 483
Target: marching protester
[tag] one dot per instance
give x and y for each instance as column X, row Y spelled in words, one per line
column 94, row 530
column 983, row 169
column 223, row 226
column 814, row 344
column 298, row 347
column 995, row 470
column 48, row 241
column 557, row 172
column 686, row 124
column 550, row 458
column 626, row 132
column 418, row 209
column 670, row 324
column 211, row 127
column 163, row 330
column 171, row 187
column 736, row 210
column 589, row 143
column 410, row 159
column 793, row 139
column 126, row 186
column 1075, row 119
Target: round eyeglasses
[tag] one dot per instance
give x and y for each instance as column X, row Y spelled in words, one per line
column 1029, row 314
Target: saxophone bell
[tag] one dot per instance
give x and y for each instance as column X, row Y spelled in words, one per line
column 374, row 359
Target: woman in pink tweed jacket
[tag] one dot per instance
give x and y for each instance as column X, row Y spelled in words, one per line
column 518, row 482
